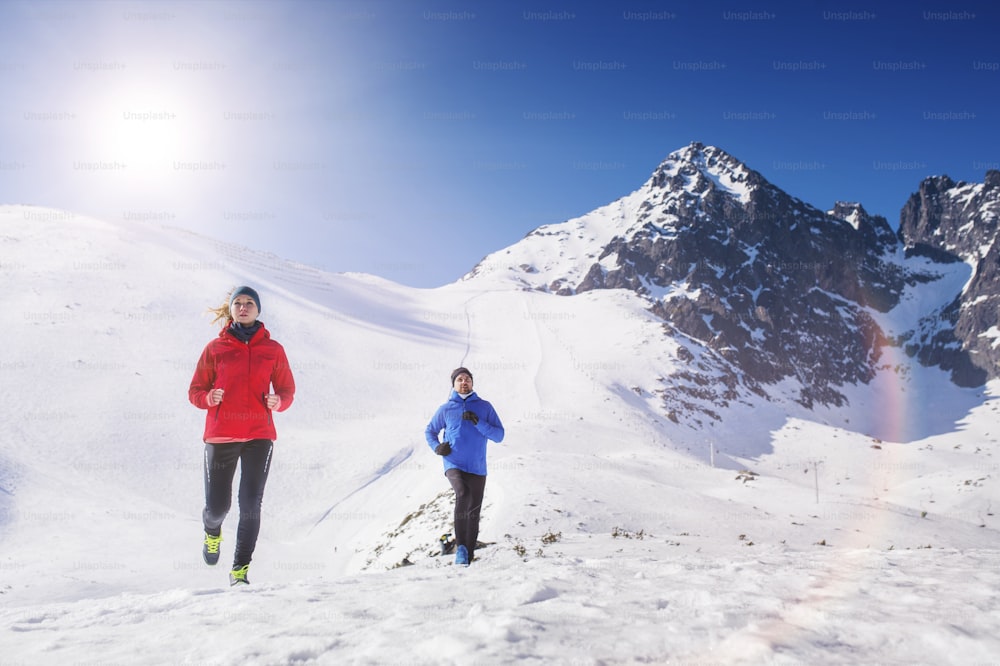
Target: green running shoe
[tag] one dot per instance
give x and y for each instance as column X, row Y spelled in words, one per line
column 211, row 550
column 239, row 576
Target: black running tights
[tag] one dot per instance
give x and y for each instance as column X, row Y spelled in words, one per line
column 254, row 458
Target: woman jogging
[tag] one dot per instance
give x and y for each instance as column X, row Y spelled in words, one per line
column 242, row 378
column 467, row 421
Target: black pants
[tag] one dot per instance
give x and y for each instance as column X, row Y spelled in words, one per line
column 469, row 490
column 220, row 468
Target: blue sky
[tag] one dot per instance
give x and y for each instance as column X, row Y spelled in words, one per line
column 410, row 139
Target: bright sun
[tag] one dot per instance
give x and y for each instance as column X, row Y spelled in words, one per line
column 147, row 129
column 135, row 132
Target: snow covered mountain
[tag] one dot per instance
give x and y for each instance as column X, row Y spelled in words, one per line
column 958, row 222
column 624, row 526
column 771, row 296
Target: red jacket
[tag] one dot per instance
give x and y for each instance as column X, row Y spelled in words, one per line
column 246, row 371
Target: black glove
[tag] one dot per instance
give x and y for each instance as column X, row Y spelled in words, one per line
column 443, row 449
column 470, row 416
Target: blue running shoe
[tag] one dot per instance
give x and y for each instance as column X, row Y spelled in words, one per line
column 462, row 556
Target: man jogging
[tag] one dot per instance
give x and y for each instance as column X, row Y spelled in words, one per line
column 467, row 421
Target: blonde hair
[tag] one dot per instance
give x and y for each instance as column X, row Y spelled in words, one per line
column 223, row 313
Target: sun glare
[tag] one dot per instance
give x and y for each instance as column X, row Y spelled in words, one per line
column 146, row 129
column 134, row 133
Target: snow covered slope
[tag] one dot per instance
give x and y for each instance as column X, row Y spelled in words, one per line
column 618, row 535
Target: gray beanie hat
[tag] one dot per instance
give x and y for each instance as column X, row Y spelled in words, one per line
column 245, row 291
column 459, row 371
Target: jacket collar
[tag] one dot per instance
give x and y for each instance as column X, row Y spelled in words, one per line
column 259, row 335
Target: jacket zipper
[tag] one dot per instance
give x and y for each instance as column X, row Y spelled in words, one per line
column 263, row 396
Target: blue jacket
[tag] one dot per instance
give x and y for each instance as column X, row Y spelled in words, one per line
column 468, row 442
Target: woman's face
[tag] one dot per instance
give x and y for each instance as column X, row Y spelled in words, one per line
column 243, row 310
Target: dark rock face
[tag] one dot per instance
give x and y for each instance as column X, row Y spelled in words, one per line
column 950, row 221
column 776, row 286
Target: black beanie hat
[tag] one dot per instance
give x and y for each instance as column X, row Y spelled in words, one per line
column 458, row 371
column 245, row 291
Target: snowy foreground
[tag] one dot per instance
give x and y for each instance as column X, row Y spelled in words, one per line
column 775, row 535
column 648, row 603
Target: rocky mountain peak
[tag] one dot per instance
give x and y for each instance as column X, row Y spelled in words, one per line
column 702, row 177
column 851, row 212
column 697, row 168
column 873, row 230
column 958, row 222
column 957, row 218
column 769, row 287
